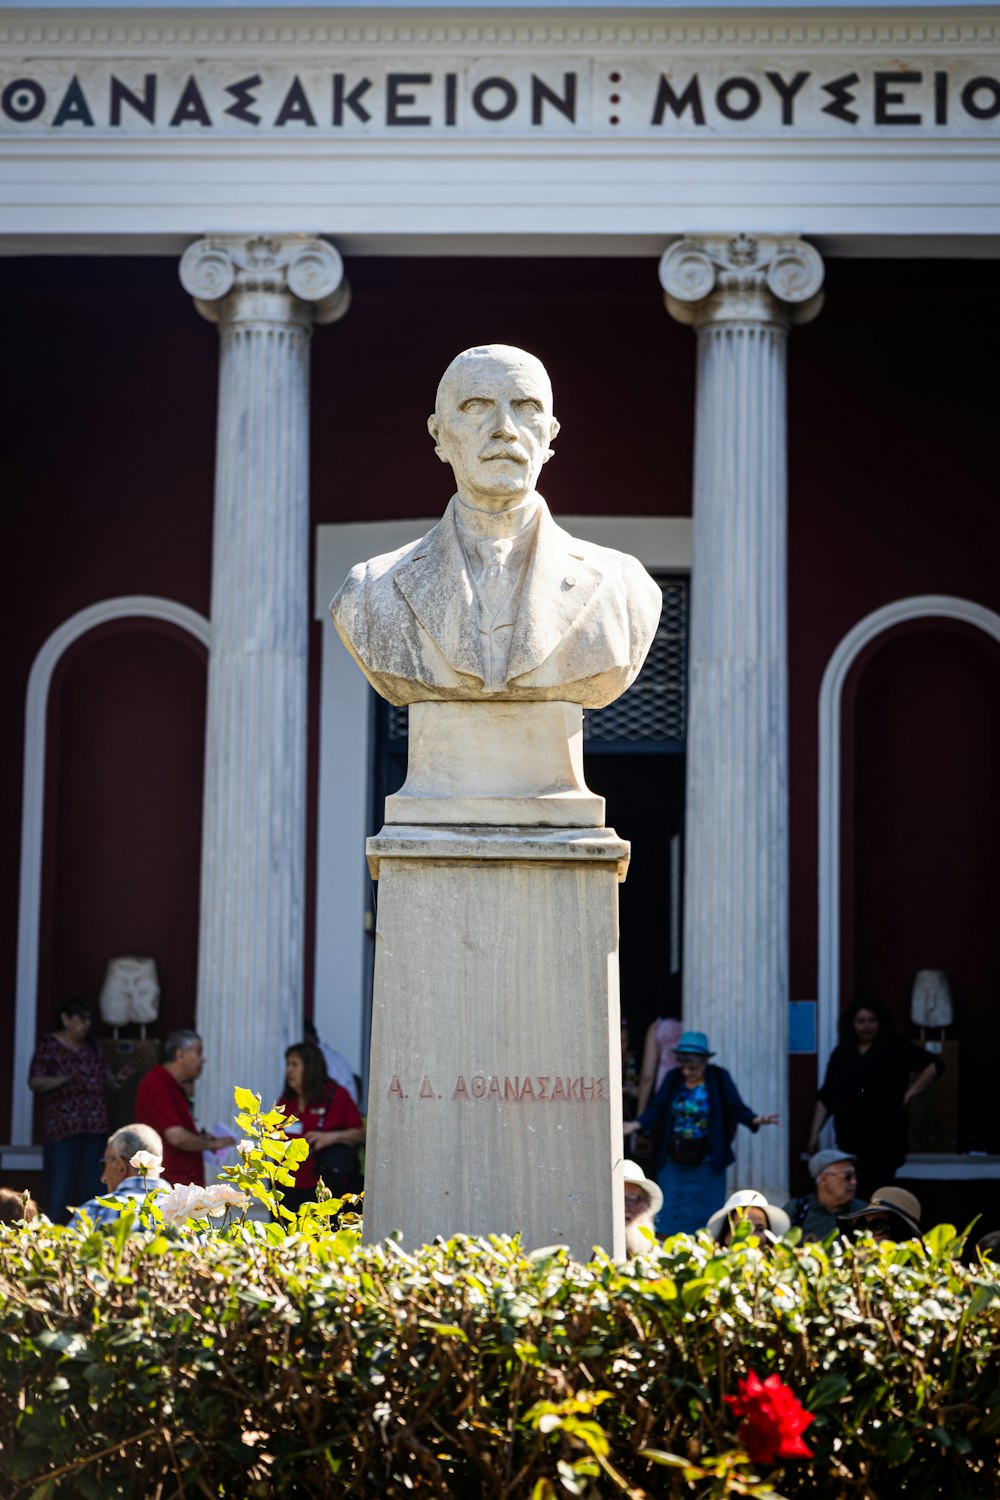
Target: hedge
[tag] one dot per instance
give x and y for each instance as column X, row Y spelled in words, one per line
column 294, row 1361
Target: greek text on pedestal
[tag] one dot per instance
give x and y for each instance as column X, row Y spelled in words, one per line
column 539, row 1088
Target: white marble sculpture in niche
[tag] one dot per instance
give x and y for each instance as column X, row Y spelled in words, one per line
column 931, row 1006
column 131, row 992
column 497, row 602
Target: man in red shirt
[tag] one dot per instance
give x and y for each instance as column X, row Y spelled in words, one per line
column 160, row 1101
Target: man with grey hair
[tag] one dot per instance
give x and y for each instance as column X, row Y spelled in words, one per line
column 497, row 601
column 161, row 1101
column 834, row 1173
column 127, row 1182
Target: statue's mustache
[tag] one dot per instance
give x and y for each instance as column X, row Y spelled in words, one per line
column 515, row 453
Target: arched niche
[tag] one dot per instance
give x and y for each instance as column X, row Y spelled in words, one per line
column 114, row 696
column 909, row 709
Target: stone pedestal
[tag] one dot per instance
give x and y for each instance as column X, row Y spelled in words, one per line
column 495, row 1085
column 496, row 763
column 741, row 293
column 265, row 294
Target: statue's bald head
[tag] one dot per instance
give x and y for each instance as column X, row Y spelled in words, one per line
column 493, row 424
column 479, row 359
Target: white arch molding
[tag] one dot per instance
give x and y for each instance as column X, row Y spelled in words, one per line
column 129, row 606
column 919, row 607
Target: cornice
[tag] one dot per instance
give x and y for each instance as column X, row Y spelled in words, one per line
column 143, row 33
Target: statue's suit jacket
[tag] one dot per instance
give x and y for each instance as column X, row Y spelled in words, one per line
column 585, row 620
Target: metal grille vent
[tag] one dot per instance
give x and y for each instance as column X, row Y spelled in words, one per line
column 655, row 706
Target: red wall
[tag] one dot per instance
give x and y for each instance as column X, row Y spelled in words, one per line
column 621, row 373
column 109, row 391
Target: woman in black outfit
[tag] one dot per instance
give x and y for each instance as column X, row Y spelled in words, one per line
column 869, row 1083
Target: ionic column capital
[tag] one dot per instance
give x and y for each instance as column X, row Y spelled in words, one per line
column 287, row 278
column 740, row 278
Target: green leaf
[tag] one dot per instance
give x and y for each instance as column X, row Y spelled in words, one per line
column 670, row 1460
column 985, row 1293
column 544, row 1489
column 827, row 1391
column 245, row 1100
column 940, row 1239
column 989, row 1427
column 899, row 1450
column 694, row 1292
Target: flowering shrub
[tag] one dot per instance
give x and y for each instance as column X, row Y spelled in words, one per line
column 287, row 1359
column 267, row 1161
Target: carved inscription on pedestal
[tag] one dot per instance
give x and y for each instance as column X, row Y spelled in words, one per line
column 509, row 1088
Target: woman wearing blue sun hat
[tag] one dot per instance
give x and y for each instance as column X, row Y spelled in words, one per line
column 699, row 1107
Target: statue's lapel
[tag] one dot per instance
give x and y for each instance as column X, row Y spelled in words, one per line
column 435, row 584
column 559, row 585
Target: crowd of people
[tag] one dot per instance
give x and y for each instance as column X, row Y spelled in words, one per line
column 693, row 1108
column 71, row 1077
column 688, row 1105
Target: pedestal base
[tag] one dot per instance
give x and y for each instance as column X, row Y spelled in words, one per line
column 495, row 1086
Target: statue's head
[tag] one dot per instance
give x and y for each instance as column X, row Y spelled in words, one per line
column 493, row 424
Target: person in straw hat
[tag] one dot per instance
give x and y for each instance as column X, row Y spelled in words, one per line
column 893, row 1215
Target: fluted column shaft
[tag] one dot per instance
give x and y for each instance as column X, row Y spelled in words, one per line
column 741, row 295
column 265, row 295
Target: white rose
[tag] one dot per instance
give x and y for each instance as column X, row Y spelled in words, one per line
column 245, row 1147
column 221, row 1196
column 145, row 1161
column 185, row 1201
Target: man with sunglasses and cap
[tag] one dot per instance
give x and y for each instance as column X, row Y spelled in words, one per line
column 836, row 1180
column 892, row 1215
column 699, row 1107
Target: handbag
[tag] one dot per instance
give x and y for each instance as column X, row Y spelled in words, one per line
column 687, row 1152
column 338, row 1165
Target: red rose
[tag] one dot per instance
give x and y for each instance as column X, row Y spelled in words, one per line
column 773, row 1421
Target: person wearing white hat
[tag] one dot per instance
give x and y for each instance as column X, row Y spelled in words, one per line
column 835, row 1175
column 767, row 1219
column 643, row 1201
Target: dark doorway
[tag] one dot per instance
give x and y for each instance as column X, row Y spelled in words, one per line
column 645, row 804
column 926, row 880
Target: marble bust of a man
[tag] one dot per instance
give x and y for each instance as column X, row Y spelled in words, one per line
column 497, row 602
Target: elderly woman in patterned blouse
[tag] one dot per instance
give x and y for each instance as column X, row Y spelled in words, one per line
column 71, row 1076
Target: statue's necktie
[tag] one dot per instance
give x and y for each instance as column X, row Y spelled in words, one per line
column 495, row 580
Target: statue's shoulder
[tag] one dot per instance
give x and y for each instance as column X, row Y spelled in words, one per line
column 376, row 568
column 621, row 570
column 367, row 580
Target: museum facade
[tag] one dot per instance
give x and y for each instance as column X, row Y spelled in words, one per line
column 755, row 248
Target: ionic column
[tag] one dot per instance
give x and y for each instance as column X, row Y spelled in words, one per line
column 265, row 293
column 741, row 294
